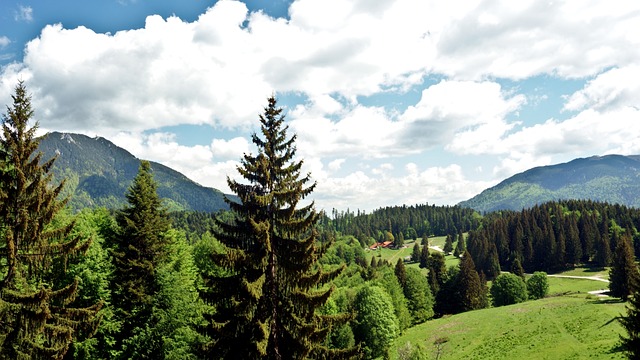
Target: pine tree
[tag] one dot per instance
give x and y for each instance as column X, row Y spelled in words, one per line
column 631, row 323
column 448, row 244
column 437, row 269
column 401, row 273
column 623, row 275
column 424, row 257
column 516, row 268
column 460, row 246
column 139, row 248
column 415, row 253
column 266, row 302
column 37, row 320
column 399, row 241
column 470, row 291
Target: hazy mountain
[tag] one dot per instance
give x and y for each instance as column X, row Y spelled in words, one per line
column 98, row 173
column 611, row 178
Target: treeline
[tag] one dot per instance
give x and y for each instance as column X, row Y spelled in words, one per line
column 553, row 237
column 410, row 221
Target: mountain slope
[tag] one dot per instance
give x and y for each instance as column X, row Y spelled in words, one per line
column 98, row 173
column 611, row 178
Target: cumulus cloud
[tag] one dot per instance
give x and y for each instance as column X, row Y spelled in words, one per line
column 218, row 69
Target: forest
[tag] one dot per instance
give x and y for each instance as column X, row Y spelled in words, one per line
column 269, row 278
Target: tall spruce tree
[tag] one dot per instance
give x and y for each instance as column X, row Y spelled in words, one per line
column 623, row 275
column 139, row 247
column 266, row 302
column 35, row 316
column 470, row 292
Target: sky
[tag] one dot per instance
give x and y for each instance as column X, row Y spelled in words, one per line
column 393, row 101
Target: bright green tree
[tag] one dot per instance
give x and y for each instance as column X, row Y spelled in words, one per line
column 418, row 295
column 375, row 326
column 37, row 318
column 623, row 275
column 266, row 303
column 508, row 289
column 538, row 285
column 138, row 250
column 389, row 281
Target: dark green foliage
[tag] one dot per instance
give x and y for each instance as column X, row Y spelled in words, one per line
column 139, row 247
column 102, row 172
column 424, row 256
column 448, row 244
column 37, row 318
column 265, row 303
column 399, row 240
column 418, row 295
column 553, row 236
column 415, row 253
column 460, row 246
column 508, row 289
column 401, row 272
column 516, row 268
column 538, row 285
column 631, row 324
column 471, row 293
column 623, row 275
column 437, row 271
column 424, row 219
column 375, row 325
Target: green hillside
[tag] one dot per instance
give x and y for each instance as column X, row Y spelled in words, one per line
column 98, row 173
column 611, row 178
column 565, row 327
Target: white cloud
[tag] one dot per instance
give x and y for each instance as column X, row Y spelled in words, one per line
column 435, row 185
column 615, row 88
column 24, row 13
column 4, row 41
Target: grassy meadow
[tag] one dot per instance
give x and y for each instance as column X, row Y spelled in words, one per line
column 559, row 327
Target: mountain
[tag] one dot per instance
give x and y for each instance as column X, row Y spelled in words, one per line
column 611, row 178
column 99, row 173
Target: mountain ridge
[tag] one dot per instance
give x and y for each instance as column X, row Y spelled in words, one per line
column 608, row 178
column 98, row 173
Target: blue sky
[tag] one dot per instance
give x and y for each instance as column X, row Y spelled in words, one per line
column 393, row 101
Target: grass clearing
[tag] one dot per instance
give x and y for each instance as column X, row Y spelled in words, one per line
column 573, row 286
column 566, row 327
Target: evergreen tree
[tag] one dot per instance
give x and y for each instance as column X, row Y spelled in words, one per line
column 460, row 246
column 470, row 291
column 631, row 324
column 37, row 318
column 424, row 257
column 401, row 273
column 448, row 244
column 516, row 268
column 437, row 271
column 415, row 254
column 425, row 240
column 623, row 275
column 266, row 302
column 139, row 248
column 399, row 241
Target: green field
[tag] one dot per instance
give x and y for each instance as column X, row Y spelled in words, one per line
column 564, row 327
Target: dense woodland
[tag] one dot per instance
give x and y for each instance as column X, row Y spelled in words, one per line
column 269, row 278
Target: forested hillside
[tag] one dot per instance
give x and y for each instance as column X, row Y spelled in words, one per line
column 553, row 236
column 97, row 173
column 610, row 178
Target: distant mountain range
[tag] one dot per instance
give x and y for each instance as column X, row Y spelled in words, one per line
column 99, row 173
column 611, row 178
